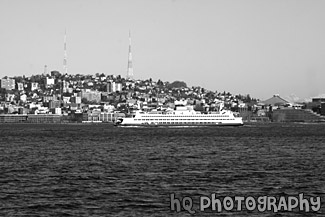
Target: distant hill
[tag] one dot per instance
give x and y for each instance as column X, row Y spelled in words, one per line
column 292, row 98
column 177, row 84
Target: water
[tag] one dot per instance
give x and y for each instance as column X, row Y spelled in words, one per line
column 101, row 170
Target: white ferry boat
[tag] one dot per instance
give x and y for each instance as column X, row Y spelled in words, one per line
column 181, row 116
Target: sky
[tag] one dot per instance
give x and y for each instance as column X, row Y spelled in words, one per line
column 256, row 47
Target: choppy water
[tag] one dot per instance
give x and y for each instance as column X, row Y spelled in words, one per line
column 100, row 170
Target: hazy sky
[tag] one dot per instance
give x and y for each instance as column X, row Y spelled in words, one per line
column 260, row 47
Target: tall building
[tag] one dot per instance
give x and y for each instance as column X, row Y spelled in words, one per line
column 65, row 66
column 8, row 84
column 65, row 86
column 113, row 87
column 129, row 74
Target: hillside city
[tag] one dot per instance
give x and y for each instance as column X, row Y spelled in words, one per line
column 102, row 97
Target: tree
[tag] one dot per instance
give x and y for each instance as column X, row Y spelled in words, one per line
column 248, row 98
column 3, row 91
column 55, row 74
column 177, row 84
column 160, row 83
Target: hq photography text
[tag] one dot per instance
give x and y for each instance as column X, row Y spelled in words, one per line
column 299, row 203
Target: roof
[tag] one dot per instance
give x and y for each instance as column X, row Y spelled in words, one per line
column 275, row 100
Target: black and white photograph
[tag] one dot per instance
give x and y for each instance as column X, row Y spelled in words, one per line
column 162, row 108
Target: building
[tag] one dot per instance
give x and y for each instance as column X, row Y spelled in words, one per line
column 318, row 100
column 20, row 86
column 23, row 98
column 10, row 97
column 322, row 109
column 113, row 87
column 49, row 82
column 34, row 86
column 65, row 86
column 54, row 104
column 44, row 118
column 48, row 98
column 8, row 84
column 91, row 96
column 13, row 118
column 75, row 99
column 276, row 100
column 56, row 111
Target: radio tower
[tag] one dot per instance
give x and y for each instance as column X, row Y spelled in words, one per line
column 129, row 74
column 65, row 67
column 45, row 70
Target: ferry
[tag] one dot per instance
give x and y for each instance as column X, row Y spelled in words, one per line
column 181, row 116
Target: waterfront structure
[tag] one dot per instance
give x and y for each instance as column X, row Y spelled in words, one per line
column 8, row 84
column 296, row 115
column 8, row 118
column 182, row 116
column 44, row 118
column 97, row 116
column 129, row 74
column 30, row 118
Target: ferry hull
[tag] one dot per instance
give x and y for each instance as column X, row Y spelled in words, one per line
column 181, row 118
column 181, row 125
